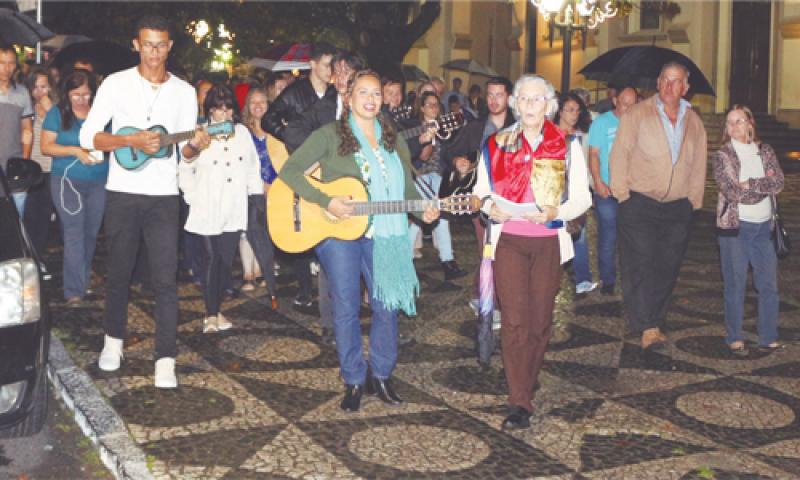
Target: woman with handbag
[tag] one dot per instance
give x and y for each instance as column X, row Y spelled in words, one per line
column 749, row 177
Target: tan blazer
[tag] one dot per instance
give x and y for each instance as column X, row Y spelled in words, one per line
column 640, row 159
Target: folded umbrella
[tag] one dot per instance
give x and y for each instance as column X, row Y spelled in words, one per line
column 640, row 66
column 486, row 338
column 19, row 29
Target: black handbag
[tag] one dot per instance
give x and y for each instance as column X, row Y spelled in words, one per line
column 22, row 174
column 780, row 238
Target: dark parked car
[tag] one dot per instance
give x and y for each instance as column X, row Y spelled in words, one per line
column 24, row 327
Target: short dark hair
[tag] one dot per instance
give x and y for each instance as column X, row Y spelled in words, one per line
column 501, row 81
column 320, row 49
column 352, row 60
column 221, row 95
column 152, row 22
column 7, row 48
column 453, row 99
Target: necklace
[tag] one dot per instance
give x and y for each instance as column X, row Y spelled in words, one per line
column 154, row 88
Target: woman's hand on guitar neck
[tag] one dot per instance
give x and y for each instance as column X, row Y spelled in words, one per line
column 146, row 141
column 340, row 207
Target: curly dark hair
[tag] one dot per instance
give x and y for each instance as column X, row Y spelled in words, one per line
column 584, row 117
column 349, row 144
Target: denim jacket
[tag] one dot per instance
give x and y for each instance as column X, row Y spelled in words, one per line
column 731, row 194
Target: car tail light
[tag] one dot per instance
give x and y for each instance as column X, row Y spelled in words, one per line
column 9, row 395
column 19, row 292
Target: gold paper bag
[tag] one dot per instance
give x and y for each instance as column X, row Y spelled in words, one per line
column 547, row 181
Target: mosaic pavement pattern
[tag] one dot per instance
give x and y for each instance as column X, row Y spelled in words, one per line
column 262, row 399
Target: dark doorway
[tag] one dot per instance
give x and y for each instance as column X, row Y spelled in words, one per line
column 750, row 31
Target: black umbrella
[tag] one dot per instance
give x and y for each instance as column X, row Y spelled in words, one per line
column 639, row 66
column 412, row 73
column 19, row 29
column 107, row 57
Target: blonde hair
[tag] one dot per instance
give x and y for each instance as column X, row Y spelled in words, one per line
column 752, row 134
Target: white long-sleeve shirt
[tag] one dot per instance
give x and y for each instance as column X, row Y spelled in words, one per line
column 127, row 100
column 217, row 183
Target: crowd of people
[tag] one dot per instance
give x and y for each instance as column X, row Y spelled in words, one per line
column 538, row 160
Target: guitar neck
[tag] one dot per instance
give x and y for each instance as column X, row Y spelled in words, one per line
column 172, row 138
column 413, row 132
column 392, row 206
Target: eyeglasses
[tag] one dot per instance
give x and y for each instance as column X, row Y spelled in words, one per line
column 76, row 97
column 153, row 46
column 533, row 99
column 223, row 108
column 431, row 105
column 737, row 122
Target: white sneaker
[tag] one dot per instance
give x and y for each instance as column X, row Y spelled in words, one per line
column 585, row 287
column 210, row 324
column 165, row 373
column 111, row 355
column 496, row 320
column 222, row 322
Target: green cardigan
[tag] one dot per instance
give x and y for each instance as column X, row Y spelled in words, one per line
column 322, row 147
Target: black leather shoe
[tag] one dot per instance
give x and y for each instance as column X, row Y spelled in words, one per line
column 451, row 270
column 518, row 419
column 352, row 398
column 383, row 390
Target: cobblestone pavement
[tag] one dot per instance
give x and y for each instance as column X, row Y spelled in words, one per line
column 262, row 399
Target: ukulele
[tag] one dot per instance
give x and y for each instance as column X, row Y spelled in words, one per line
column 131, row 158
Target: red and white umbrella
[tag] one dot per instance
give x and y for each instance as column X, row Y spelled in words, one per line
column 285, row 57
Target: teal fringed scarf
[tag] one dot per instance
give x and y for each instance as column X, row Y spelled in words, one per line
column 395, row 281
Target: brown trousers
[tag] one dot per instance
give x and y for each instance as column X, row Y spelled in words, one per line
column 527, row 273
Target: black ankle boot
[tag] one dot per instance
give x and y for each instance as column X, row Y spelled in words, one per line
column 451, row 270
column 352, row 398
column 383, row 389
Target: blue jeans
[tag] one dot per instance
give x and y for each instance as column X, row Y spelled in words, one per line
column 442, row 229
column 580, row 262
column 752, row 246
column 19, row 201
column 606, row 211
column 79, row 230
column 345, row 261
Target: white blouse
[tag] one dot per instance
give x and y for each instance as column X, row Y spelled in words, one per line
column 751, row 166
column 216, row 184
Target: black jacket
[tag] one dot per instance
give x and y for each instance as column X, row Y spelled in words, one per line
column 470, row 137
column 293, row 101
column 320, row 113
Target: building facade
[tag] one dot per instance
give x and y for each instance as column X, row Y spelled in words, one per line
column 747, row 50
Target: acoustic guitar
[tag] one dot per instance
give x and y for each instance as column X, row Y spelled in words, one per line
column 131, row 158
column 297, row 225
column 445, row 126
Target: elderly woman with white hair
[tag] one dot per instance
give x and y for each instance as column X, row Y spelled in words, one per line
column 535, row 181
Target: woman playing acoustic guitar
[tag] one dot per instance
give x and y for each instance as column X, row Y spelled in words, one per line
column 363, row 145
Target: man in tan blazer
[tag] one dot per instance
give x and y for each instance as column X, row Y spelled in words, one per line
column 658, row 171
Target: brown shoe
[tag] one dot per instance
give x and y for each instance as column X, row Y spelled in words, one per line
column 653, row 338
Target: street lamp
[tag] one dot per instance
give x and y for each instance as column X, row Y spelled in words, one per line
column 569, row 16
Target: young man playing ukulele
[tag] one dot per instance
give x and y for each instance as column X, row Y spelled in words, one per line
column 142, row 204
